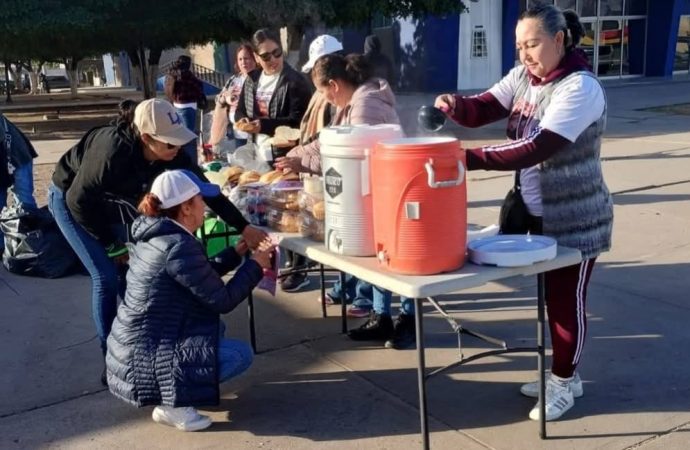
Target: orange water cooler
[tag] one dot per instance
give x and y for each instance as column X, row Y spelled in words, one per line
column 419, row 199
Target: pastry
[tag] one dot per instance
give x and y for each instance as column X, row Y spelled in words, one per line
column 250, row 176
column 319, row 210
column 270, row 176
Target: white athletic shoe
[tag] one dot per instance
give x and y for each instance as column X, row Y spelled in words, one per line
column 559, row 399
column 185, row 418
column 532, row 389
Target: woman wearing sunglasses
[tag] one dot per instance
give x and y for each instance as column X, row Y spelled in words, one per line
column 97, row 183
column 274, row 94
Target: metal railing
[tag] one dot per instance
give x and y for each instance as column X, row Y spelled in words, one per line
column 210, row 76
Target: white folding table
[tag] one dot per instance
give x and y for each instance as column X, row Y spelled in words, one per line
column 429, row 286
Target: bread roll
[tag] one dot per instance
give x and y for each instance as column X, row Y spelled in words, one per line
column 251, row 176
column 290, row 176
column 319, row 210
column 244, row 126
column 270, row 176
column 284, row 133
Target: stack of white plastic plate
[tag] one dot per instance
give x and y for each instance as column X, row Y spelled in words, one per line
column 512, row 250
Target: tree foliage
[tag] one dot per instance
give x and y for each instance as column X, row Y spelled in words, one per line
column 69, row 30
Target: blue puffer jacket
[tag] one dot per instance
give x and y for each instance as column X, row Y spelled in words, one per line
column 162, row 349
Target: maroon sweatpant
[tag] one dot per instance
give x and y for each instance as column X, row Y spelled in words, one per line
column 566, row 295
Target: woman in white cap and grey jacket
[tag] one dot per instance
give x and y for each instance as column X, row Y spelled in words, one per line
column 97, row 183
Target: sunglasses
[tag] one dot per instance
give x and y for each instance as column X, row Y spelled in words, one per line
column 276, row 53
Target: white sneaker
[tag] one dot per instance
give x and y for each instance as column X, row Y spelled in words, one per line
column 185, row 418
column 559, row 399
column 532, row 389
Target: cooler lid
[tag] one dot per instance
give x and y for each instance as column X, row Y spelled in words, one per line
column 352, row 140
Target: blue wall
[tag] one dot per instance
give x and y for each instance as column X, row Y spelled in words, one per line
column 441, row 55
column 662, row 35
column 511, row 10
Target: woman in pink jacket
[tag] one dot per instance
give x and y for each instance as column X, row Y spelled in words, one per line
column 346, row 82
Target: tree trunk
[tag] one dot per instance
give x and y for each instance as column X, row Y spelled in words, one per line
column 295, row 34
column 72, row 64
column 136, row 68
column 153, row 60
column 33, row 79
column 144, row 72
column 8, row 98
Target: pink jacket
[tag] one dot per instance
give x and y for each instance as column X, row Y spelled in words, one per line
column 372, row 103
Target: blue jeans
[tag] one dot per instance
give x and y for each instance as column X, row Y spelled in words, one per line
column 105, row 275
column 234, row 357
column 22, row 191
column 365, row 294
column 188, row 116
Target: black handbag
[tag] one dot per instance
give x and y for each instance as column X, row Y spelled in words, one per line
column 514, row 217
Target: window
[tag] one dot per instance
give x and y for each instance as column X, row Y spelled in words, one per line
column 587, row 8
column 635, row 7
column 610, row 7
column 566, row 4
column 479, row 47
column 682, row 59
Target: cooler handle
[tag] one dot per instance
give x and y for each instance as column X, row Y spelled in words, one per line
column 431, row 176
column 366, row 182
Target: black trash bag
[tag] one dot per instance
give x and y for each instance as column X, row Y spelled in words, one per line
column 34, row 245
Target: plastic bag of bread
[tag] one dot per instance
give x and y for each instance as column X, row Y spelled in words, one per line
column 319, row 211
column 250, row 176
column 285, row 221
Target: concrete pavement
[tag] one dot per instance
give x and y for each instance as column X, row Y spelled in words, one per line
column 312, row 388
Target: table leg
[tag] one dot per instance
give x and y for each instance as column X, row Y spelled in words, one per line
column 252, row 330
column 343, row 302
column 541, row 298
column 322, row 275
column 421, row 371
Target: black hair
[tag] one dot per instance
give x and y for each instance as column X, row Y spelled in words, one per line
column 354, row 69
column 553, row 20
column 264, row 35
column 125, row 111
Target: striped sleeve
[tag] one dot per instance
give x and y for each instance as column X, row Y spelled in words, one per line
column 537, row 147
column 478, row 110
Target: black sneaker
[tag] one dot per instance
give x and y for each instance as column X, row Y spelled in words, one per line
column 294, row 282
column 377, row 328
column 403, row 333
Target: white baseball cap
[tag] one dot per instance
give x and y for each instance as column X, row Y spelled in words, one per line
column 321, row 45
column 173, row 187
column 159, row 119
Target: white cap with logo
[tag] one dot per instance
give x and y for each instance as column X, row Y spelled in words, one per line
column 159, row 119
column 320, row 46
column 173, row 187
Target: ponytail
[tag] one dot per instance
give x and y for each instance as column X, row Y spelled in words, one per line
column 574, row 30
column 150, row 206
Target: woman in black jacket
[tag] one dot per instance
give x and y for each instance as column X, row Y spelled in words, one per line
column 273, row 95
column 97, row 183
column 167, row 347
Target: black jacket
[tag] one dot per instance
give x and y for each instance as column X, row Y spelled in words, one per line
column 105, row 175
column 288, row 103
column 163, row 347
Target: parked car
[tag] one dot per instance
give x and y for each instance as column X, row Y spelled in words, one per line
column 58, row 81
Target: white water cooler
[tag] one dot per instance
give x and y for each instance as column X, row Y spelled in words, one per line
column 345, row 150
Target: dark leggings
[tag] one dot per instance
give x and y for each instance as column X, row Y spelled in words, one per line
column 566, row 300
